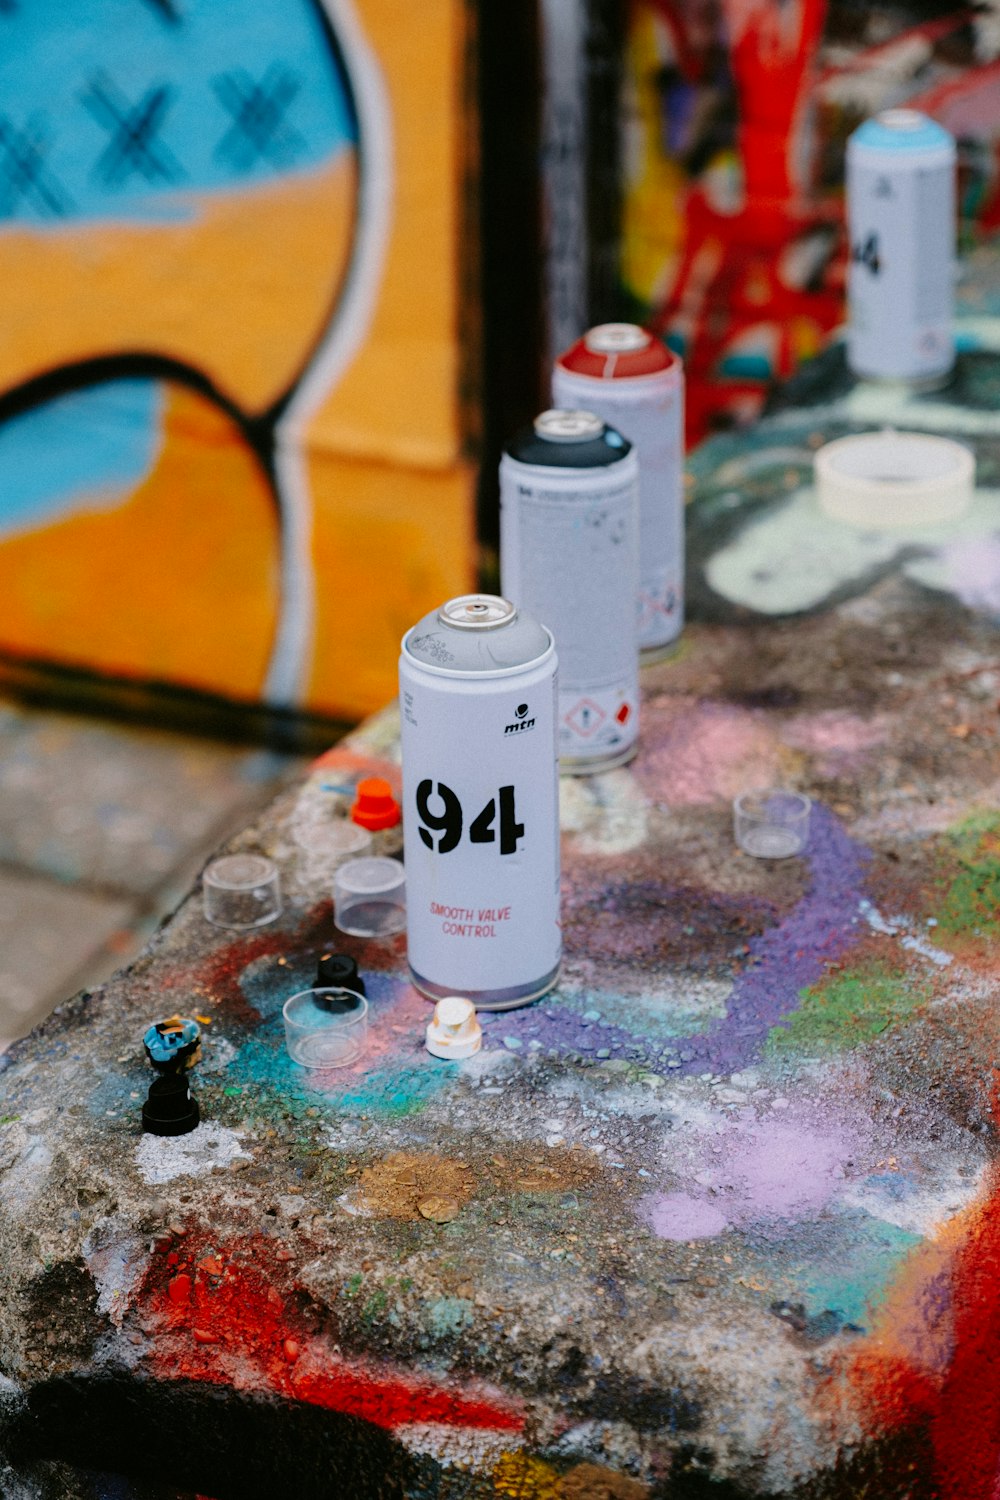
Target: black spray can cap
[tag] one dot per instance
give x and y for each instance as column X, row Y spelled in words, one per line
column 170, row 1108
column 339, row 971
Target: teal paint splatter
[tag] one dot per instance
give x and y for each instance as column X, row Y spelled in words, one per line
column 391, row 1089
column 843, row 1263
column 449, row 1315
column 392, row 1092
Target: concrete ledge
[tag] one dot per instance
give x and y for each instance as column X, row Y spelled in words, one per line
column 721, row 1210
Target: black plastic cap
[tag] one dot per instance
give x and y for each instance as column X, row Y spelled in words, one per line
column 170, row 1108
column 528, row 447
column 338, row 971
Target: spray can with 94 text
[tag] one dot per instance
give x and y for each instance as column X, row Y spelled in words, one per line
column 477, row 682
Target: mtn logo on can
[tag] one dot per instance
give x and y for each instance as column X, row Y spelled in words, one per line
column 522, row 722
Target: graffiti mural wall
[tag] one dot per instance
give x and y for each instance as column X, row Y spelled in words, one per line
column 736, row 115
column 229, row 371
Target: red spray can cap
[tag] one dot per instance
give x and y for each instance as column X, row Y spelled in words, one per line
column 617, row 351
column 374, row 806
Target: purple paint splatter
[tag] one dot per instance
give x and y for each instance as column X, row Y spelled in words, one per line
column 794, row 955
column 787, row 958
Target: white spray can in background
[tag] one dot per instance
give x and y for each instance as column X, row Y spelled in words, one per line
column 628, row 377
column 901, row 235
column 477, row 689
column 569, row 552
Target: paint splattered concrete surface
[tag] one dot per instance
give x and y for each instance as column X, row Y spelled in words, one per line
column 718, row 1217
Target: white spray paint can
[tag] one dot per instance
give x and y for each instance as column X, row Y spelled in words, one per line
column 901, row 232
column 628, row 377
column 477, row 687
column 569, row 552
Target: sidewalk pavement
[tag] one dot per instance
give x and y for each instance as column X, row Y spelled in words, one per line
column 103, row 827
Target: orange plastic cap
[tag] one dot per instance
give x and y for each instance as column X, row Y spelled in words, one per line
column 374, row 806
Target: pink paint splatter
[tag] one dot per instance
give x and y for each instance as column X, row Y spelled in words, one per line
column 783, row 1167
column 839, row 740
column 677, row 1216
column 391, row 1041
column 700, row 752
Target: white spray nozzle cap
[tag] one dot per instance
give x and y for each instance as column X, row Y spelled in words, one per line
column 453, row 1031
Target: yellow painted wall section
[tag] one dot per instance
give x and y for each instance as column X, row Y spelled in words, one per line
column 390, row 544
column 177, row 582
column 281, row 489
column 394, row 538
column 398, row 397
column 239, row 287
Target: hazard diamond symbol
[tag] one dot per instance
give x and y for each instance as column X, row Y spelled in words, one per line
column 624, row 714
column 585, row 717
column 650, row 607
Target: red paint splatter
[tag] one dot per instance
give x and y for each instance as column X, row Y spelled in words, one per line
column 219, row 973
column 249, row 1316
column 962, row 1408
column 179, row 1290
column 896, row 1395
column 214, row 979
column 966, row 1429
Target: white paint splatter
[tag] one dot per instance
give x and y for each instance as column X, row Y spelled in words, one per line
column 926, row 950
column 795, row 557
column 219, row 1052
column 894, row 926
column 914, row 1203
column 352, row 1205
column 162, row 1158
column 24, row 1165
column 875, row 919
column 477, row 1448
column 968, row 568
column 608, row 813
column 116, row 1260
column 872, row 404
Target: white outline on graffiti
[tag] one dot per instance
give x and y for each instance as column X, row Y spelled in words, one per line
column 291, row 657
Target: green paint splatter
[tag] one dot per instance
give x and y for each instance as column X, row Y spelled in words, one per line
column 972, row 902
column 376, row 1304
column 847, row 1010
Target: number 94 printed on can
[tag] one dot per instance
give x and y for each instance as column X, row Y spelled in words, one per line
column 447, row 826
column 477, row 683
